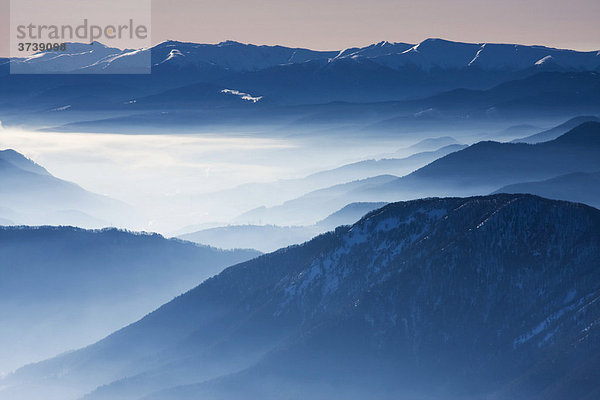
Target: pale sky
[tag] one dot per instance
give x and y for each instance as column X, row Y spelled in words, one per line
column 338, row 24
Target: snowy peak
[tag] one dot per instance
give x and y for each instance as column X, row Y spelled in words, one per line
column 505, row 56
column 375, row 50
column 76, row 58
column 174, row 53
column 436, row 45
column 435, row 53
column 231, row 55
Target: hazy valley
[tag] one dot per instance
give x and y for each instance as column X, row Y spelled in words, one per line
column 394, row 221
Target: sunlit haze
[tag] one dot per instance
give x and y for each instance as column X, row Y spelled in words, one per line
column 165, row 176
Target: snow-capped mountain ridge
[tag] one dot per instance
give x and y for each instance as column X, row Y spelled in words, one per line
column 439, row 53
column 236, row 56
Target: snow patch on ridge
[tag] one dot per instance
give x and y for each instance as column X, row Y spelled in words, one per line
column 477, row 55
column 543, row 60
column 242, row 95
column 173, row 54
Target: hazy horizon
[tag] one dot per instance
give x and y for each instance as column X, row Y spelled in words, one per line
column 337, row 26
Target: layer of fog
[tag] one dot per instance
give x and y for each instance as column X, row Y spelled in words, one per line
column 167, row 176
column 171, row 179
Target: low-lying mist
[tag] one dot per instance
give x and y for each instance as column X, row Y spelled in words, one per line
column 178, row 182
column 166, row 177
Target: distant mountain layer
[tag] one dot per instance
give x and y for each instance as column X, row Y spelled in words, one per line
column 169, row 56
column 264, row 238
column 267, row 238
column 65, row 287
column 230, row 55
column 548, row 95
column 29, row 195
column 480, row 167
column 252, row 196
column 230, row 75
column 557, row 131
column 574, row 91
column 431, row 144
column 477, row 170
column 486, row 297
column 385, row 166
column 314, row 206
column 578, row 187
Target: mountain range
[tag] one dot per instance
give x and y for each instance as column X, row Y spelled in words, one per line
column 457, row 298
column 234, row 56
column 486, row 165
column 268, row 85
column 205, row 107
column 479, row 169
column 249, row 196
